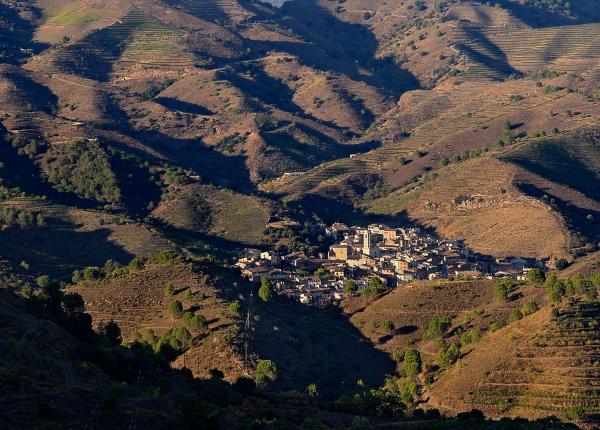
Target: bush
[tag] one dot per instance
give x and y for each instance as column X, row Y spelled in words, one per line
column 575, row 412
column 515, row 315
column 16, row 217
column 497, row 325
column 112, row 332
column 397, row 356
column 561, row 264
column 197, row 322
column 233, row 310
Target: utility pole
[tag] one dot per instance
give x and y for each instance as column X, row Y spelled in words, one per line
column 248, row 327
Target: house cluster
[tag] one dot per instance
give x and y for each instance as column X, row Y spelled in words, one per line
column 393, row 255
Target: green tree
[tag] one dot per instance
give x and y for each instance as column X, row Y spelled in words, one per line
column 561, row 264
column 112, row 331
column 535, row 276
column 412, row 362
column 449, row 356
column 197, row 322
column 176, row 309
column 439, row 326
column 323, row 273
column 169, row 289
column 501, row 290
column 266, row 371
column 515, row 315
column 233, row 310
column 136, row 263
column 265, row 292
column 387, row 326
column 529, row 307
column 507, row 136
column 312, row 391
column 350, row 286
column 72, row 303
column 556, row 292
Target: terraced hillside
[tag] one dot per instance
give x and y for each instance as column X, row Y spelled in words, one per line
column 496, row 53
column 543, row 364
column 134, row 38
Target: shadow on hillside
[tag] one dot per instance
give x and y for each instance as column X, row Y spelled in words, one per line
column 576, row 217
column 16, row 43
column 176, row 105
column 497, row 59
column 333, row 210
column 339, row 46
column 196, row 241
column 538, row 17
column 320, row 346
column 38, row 96
column 22, row 172
column 213, row 166
column 206, row 10
column 558, row 165
column 59, row 249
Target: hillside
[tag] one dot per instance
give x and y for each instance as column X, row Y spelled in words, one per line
column 145, row 144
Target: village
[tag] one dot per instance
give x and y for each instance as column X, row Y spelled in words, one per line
column 373, row 259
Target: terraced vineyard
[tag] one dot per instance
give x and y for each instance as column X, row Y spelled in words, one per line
column 558, row 370
column 213, row 10
column 134, row 38
column 494, row 52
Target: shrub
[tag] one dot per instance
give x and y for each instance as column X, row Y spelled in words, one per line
column 16, row 217
column 136, row 263
column 515, row 315
column 497, row 325
column 575, row 412
column 360, row 423
column 112, row 332
column 561, row 264
column 397, row 356
column 515, row 98
column 197, row 322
